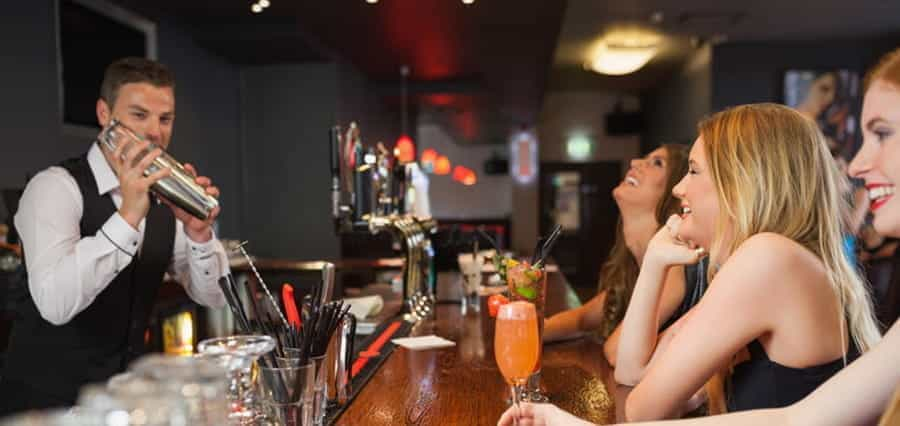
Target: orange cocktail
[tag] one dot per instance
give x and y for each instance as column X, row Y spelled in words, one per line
column 529, row 283
column 516, row 344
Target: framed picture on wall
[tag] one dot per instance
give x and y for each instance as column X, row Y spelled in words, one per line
column 833, row 99
column 91, row 35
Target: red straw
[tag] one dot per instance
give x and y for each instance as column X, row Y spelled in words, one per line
column 290, row 306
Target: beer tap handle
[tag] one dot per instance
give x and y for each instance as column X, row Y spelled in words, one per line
column 335, row 140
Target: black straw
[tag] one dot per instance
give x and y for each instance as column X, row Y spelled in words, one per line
column 537, row 250
column 488, row 237
column 548, row 245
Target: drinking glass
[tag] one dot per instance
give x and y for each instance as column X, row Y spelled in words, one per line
column 470, row 267
column 199, row 381
column 320, row 390
column 516, row 345
column 287, row 393
column 529, row 283
column 237, row 354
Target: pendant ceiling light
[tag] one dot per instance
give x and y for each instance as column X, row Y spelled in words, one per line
column 623, row 50
column 621, row 58
column 405, row 147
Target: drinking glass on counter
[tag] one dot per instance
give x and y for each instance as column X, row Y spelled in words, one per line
column 137, row 402
column 529, row 283
column 516, row 345
column 237, row 355
column 470, row 266
column 201, row 383
column 287, row 394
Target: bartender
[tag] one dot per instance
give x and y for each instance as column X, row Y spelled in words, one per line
column 97, row 244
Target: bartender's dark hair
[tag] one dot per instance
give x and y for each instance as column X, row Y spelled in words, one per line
column 133, row 70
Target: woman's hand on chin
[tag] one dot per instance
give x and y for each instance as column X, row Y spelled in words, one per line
column 666, row 248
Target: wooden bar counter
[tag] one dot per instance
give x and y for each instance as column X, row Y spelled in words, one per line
column 461, row 385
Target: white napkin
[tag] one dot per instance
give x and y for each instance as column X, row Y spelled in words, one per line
column 364, row 307
column 423, row 342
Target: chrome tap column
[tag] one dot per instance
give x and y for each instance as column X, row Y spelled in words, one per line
column 372, row 197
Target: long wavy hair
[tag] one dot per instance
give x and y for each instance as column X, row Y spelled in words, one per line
column 619, row 274
column 773, row 172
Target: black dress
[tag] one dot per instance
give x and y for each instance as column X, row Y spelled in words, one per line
column 763, row 383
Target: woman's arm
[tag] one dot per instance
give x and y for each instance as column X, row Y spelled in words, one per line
column 743, row 302
column 641, row 322
column 574, row 322
column 671, row 298
column 639, row 325
column 857, row 394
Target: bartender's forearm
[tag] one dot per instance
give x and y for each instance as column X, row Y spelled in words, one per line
column 198, row 267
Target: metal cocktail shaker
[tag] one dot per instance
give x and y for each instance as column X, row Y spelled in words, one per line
column 179, row 187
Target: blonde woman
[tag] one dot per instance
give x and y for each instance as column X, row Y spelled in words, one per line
column 762, row 196
column 860, row 392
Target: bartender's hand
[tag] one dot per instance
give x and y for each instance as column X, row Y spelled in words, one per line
column 199, row 231
column 134, row 185
column 539, row 415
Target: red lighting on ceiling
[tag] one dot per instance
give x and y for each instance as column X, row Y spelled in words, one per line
column 405, row 149
column 442, row 165
column 464, row 175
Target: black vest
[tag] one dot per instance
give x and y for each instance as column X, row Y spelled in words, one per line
column 102, row 339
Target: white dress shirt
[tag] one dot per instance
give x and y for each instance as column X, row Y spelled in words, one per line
column 67, row 270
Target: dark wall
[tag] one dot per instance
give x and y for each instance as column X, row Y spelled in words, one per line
column 673, row 110
column 30, row 115
column 359, row 100
column 206, row 130
column 753, row 72
column 287, row 110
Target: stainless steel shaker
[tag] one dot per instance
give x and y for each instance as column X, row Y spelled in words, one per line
column 179, row 187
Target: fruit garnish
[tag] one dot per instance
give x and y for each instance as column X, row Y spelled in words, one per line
column 527, row 292
column 495, row 302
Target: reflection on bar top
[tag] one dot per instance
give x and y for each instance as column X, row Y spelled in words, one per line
column 240, row 264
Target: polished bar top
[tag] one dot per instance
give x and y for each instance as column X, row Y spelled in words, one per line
column 239, row 264
column 461, row 385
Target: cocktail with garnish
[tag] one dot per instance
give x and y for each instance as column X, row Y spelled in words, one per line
column 528, row 283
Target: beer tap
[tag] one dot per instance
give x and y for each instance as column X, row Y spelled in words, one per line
column 369, row 193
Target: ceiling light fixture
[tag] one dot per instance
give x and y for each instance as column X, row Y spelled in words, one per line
column 468, row 1
column 371, row 1
column 264, row 3
column 256, row 8
column 622, row 57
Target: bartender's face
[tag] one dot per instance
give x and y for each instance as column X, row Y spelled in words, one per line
column 144, row 108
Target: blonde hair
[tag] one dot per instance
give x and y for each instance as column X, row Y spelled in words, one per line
column 773, row 172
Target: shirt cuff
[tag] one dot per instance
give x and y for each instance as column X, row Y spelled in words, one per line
column 121, row 235
column 202, row 250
